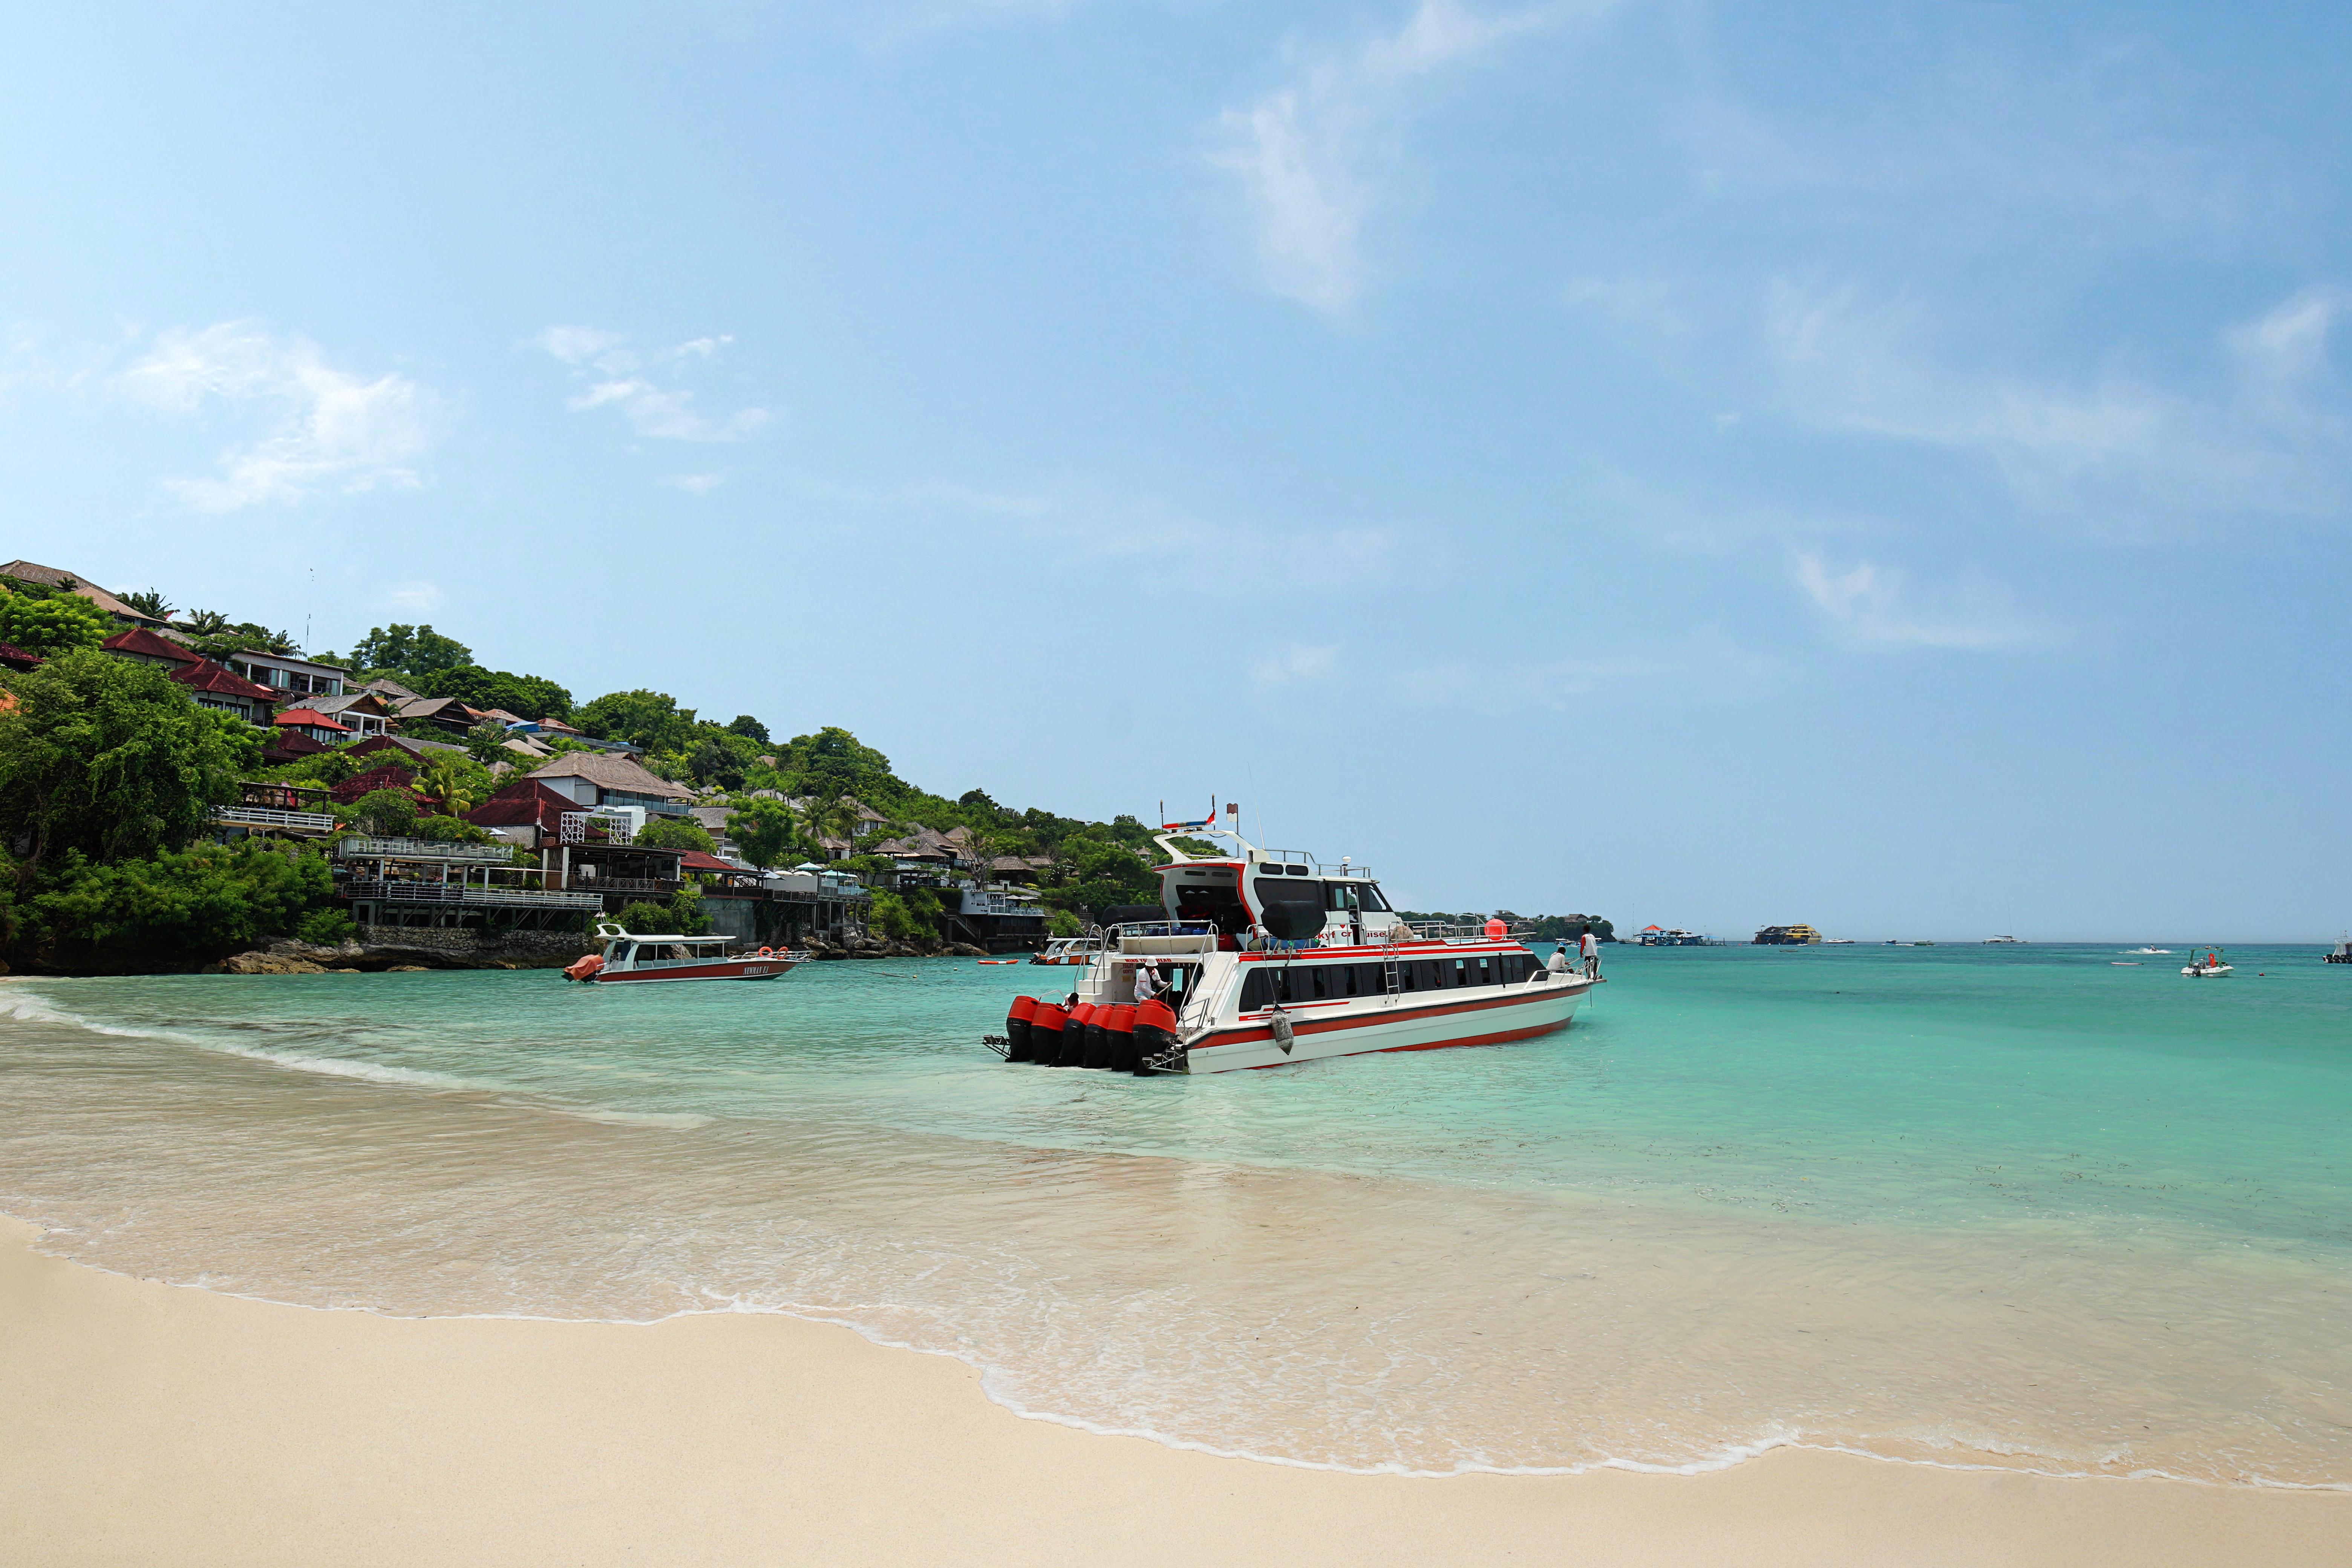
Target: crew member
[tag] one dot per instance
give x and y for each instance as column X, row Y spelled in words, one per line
column 1559, row 962
column 1591, row 947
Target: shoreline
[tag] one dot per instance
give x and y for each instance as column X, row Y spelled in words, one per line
column 140, row 1421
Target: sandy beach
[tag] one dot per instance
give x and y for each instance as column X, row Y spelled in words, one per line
column 148, row 1423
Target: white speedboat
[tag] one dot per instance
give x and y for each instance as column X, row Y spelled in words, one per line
column 2210, row 967
column 630, row 957
column 2004, row 941
column 1268, row 958
column 1068, row 949
column 2165, row 952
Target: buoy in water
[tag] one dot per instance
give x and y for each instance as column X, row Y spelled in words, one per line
column 1016, row 1028
column 1155, row 1034
column 1047, row 1022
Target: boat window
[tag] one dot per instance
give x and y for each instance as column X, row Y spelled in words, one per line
column 1217, row 906
column 1294, row 870
column 1256, row 991
column 1369, row 895
column 1321, row 979
column 1289, row 892
column 1489, row 971
column 1343, row 898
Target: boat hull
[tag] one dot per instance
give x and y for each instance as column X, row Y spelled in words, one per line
column 1523, row 1012
column 725, row 969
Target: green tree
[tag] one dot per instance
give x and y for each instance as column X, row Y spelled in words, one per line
column 409, row 650
column 524, row 696
column 763, row 831
column 833, row 761
column 486, row 742
column 206, row 623
column 207, row 898
column 456, row 780
column 833, row 817
column 674, row 833
column 110, row 759
column 649, row 719
column 57, row 624
column 713, row 762
column 682, row 916
column 386, row 813
column 751, row 728
column 149, row 602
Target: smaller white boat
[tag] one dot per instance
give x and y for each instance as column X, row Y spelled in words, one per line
column 2123, row 963
column 628, row 956
column 1069, row 950
column 2004, row 941
column 2165, row 952
column 2343, row 954
column 2210, row 967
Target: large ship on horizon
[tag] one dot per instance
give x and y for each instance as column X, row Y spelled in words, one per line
column 1268, row 957
column 1786, row 936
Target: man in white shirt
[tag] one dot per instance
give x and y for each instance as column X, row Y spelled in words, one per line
column 1147, row 982
column 1559, row 962
column 1591, row 947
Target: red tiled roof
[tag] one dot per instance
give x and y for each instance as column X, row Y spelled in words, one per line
column 696, row 861
column 311, row 718
column 16, row 658
column 205, row 676
column 526, row 802
column 145, row 644
column 386, row 777
column 287, row 744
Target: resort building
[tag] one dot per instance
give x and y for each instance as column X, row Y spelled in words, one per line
column 51, row 577
column 285, row 674
column 594, row 779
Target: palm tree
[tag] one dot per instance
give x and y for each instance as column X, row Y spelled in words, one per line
column 206, row 622
column 446, row 780
column 149, row 602
column 835, row 818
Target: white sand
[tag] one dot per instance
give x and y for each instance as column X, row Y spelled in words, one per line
column 151, row 1424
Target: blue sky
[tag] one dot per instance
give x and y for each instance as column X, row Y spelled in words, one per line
column 1880, row 466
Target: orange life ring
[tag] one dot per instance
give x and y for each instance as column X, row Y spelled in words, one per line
column 767, row 952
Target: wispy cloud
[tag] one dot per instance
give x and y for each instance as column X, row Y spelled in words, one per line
column 1309, row 157
column 1870, row 605
column 641, row 385
column 416, row 598
column 1706, row 666
column 697, row 484
column 1296, row 663
column 2117, row 450
column 328, row 429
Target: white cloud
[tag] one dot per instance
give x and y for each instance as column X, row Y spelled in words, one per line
column 331, row 429
column 697, row 484
column 576, row 345
column 659, row 412
column 1871, row 606
column 1296, row 663
column 1706, row 666
column 1308, row 156
column 416, row 598
column 2117, row 449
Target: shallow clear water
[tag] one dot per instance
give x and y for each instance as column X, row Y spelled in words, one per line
column 2009, row 1205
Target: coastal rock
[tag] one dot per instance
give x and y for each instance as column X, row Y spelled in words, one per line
column 258, row 962
column 408, row 968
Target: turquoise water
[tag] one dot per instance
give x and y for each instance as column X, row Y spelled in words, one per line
column 2010, row 1204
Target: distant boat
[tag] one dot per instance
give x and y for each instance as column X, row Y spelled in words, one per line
column 1786, row 936
column 2123, row 963
column 1660, row 936
column 2004, row 941
column 1837, row 941
column 1923, row 944
column 2343, row 954
column 2164, row 951
column 2210, row 967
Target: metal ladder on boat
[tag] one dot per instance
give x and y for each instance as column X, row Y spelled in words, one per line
column 1389, row 976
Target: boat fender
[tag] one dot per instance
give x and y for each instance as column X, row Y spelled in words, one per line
column 1016, row 1028
column 1280, row 1021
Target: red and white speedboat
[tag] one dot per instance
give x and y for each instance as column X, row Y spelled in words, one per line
column 630, row 957
column 1268, row 958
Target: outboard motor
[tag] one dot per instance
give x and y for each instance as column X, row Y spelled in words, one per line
column 1097, row 1034
column 1047, row 1023
column 1155, row 1034
column 1016, row 1028
column 1076, row 1035
column 1118, row 1031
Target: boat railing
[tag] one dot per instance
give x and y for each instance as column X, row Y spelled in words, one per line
column 1154, row 938
column 721, row 956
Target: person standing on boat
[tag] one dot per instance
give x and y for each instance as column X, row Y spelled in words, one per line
column 1590, row 946
column 1148, row 984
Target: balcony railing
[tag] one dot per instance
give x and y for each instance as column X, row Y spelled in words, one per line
column 625, row 885
column 358, row 849
column 360, row 891
column 269, row 816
